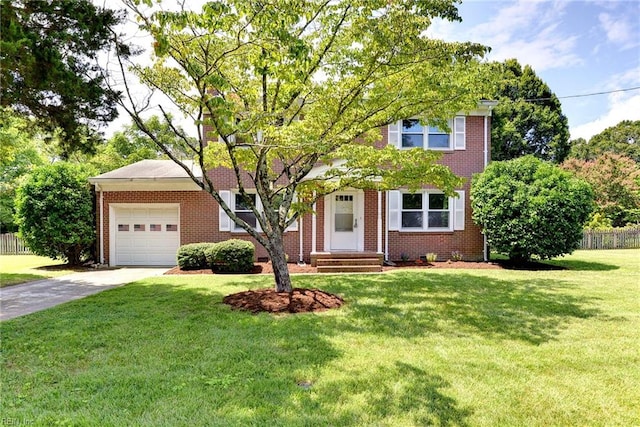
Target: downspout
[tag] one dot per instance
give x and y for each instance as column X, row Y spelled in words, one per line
column 486, row 162
column 101, row 223
column 386, row 227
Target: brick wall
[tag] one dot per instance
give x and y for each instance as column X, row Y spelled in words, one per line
column 199, row 212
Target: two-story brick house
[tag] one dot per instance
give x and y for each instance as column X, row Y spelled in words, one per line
column 148, row 209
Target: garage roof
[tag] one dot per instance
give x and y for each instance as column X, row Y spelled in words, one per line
column 149, row 175
column 150, row 169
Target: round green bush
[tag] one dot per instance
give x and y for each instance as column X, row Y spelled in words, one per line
column 231, row 256
column 191, row 256
column 530, row 208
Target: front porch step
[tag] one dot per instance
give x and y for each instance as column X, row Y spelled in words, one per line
column 321, row 262
column 349, row 268
column 374, row 257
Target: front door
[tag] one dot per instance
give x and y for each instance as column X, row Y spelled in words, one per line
column 345, row 221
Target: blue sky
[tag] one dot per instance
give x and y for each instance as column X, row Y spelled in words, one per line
column 575, row 46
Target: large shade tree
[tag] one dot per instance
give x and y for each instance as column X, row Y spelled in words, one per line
column 528, row 118
column 48, row 66
column 282, row 86
column 622, row 139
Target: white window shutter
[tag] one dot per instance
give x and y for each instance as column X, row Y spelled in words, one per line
column 458, row 211
column 394, row 133
column 394, row 210
column 459, row 134
column 294, row 225
column 224, row 222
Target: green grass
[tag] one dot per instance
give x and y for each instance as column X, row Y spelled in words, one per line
column 410, row 348
column 16, row 269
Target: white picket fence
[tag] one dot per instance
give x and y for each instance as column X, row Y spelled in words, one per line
column 616, row 238
column 10, row 244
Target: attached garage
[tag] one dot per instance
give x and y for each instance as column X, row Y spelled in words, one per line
column 139, row 212
column 145, row 234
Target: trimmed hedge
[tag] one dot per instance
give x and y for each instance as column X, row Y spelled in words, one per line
column 231, row 256
column 192, row 256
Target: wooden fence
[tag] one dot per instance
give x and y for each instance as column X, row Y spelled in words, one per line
column 617, row 238
column 10, row 244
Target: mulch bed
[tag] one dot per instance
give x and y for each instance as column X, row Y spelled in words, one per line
column 298, row 301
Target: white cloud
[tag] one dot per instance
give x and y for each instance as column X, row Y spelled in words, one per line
column 530, row 31
column 619, row 31
column 620, row 105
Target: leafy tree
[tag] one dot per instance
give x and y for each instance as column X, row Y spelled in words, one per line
column 19, row 153
column 622, row 139
column 54, row 212
column 281, row 86
column 528, row 118
column 132, row 145
column 615, row 180
column 48, row 68
column 530, row 208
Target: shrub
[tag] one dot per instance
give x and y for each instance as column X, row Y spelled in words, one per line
column 54, row 212
column 431, row 257
column 192, row 256
column 231, row 256
column 527, row 207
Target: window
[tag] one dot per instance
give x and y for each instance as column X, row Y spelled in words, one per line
column 155, row 227
column 414, row 135
column 243, row 210
column 123, row 227
column 138, row 227
column 416, row 207
column 410, row 133
column 172, row 227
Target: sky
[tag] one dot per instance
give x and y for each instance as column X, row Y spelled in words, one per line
column 577, row 47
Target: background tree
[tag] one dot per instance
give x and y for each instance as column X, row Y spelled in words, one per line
column 20, row 152
column 622, row 139
column 282, row 86
column 528, row 118
column 54, row 212
column 48, row 69
column 615, row 180
column 530, row 208
column 131, row 145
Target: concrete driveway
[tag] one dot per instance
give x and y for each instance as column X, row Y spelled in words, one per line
column 30, row 297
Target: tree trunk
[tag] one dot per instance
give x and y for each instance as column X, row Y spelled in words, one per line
column 279, row 264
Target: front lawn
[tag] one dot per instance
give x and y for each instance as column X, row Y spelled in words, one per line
column 409, row 348
column 16, row 269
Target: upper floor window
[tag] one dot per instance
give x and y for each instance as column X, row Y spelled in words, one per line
column 416, row 135
column 410, row 133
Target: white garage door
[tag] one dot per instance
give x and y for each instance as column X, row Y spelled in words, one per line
column 146, row 236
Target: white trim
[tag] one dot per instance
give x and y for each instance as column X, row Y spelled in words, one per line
column 314, row 226
column 459, row 133
column 177, row 184
column 386, row 228
column 457, row 139
column 393, row 211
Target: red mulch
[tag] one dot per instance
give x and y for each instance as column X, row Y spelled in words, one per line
column 298, row 301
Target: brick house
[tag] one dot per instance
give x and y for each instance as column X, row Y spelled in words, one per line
column 148, row 209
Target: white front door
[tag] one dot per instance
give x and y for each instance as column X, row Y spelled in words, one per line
column 345, row 221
